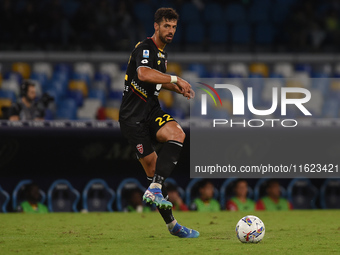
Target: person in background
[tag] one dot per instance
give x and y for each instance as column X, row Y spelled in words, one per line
column 26, row 108
column 205, row 202
column 32, row 204
column 240, row 202
column 135, row 203
column 175, row 198
column 273, row 201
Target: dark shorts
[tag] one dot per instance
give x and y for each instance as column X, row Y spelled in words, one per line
column 142, row 135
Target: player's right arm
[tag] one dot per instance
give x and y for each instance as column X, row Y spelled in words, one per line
column 147, row 74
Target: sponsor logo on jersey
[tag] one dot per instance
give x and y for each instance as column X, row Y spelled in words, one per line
column 145, row 53
column 144, row 61
column 158, row 62
column 160, row 55
column 140, row 148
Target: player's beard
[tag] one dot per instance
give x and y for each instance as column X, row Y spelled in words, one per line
column 164, row 40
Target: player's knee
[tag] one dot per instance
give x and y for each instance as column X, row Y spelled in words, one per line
column 178, row 135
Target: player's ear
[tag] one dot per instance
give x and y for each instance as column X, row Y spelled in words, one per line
column 156, row 26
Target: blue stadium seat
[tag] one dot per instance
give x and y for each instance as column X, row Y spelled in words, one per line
column 99, row 94
column 264, row 33
column 13, row 76
column 40, row 77
column 200, row 69
column 67, row 109
column 113, row 94
column 191, row 192
column 57, row 85
column 302, row 67
column 103, row 77
column 189, row 13
column 60, row 76
column 235, row 13
column 8, row 94
column 241, row 33
column 194, row 33
column 62, row 197
column 227, row 191
column 64, row 68
column 302, row 193
column 331, row 108
column 322, row 83
column 75, row 95
column 330, row 194
column 124, row 186
column 18, row 195
column 218, row 33
column 98, row 196
column 4, row 200
column 83, row 77
column 261, row 186
column 213, row 13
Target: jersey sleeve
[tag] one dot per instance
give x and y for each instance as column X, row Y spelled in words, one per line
column 145, row 56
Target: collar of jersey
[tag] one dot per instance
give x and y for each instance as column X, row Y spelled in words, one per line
column 155, row 44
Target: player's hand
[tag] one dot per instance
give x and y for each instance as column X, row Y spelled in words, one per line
column 190, row 94
column 183, row 85
column 185, row 88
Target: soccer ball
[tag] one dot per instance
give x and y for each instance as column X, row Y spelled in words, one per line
column 250, row 229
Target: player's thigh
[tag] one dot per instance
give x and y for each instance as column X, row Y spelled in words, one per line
column 149, row 164
column 139, row 137
column 170, row 131
column 164, row 127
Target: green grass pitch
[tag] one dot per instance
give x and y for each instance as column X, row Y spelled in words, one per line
column 294, row 232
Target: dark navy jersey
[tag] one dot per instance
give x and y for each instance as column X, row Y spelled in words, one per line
column 141, row 98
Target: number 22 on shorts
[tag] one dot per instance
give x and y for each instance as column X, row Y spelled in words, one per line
column 166, row 118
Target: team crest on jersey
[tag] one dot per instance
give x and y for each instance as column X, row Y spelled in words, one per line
column 160, row 55
column 140, row 148
column 145, row 53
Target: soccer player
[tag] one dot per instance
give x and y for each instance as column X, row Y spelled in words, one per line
column 144, row 123
column 240, row 202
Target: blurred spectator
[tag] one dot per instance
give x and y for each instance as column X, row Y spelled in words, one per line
column 26, row 109
column 135, row 202
column 273, row 201
column 205, row 202
column 32, row 204
column 240, row 202
column 175, row 198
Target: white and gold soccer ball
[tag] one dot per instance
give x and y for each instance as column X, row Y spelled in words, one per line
column 250, row 229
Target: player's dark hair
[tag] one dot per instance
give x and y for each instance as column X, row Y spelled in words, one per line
column 238, row 181
column 166, row 13
column 203, row 183
column 271, row 182
column 24, row 87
